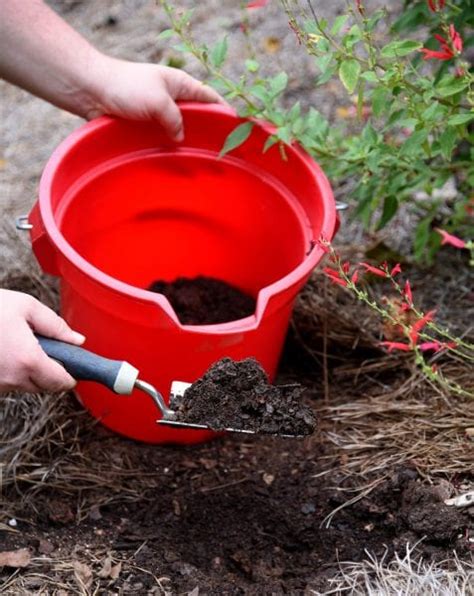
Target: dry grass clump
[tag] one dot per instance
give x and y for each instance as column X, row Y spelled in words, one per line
column 81, row 575
column 376, row 410
column 402, row 576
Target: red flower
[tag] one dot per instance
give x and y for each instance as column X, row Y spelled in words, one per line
column 396, row 345
column 431, row 345
column 436, row 346
column 257, row 3
column 450, row 239
column 335, row 276
column 447, row 51
column 374, row 270
column 355, row 276
column 435, row 5
column 395, row 270
column 456, row 39
column 418, row 325
column 407, row 292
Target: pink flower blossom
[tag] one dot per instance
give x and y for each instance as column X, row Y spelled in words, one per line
column 430, row 345
column 450, row 239
column 396, row 345
column 374, row 270
column 257, row 3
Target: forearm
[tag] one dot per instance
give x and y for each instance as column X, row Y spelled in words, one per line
column 42, row 54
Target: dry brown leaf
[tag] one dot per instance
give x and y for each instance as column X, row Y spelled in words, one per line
column 83, row 574
column 15, row 558
column 106, row 568
column 116, row 570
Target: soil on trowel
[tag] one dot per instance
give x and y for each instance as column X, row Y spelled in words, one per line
column 238, row 395
column 205, row 300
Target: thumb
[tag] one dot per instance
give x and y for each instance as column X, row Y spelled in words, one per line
column 46, row 322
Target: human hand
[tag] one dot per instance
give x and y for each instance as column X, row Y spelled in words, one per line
column 147, row 92
column 23, row 364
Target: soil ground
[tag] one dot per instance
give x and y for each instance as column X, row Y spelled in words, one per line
column 240, row 515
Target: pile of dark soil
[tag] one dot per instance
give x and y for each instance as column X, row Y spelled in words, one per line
column 238, row 395
column 205, row 300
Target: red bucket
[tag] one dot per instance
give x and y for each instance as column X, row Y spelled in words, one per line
column 120, row 206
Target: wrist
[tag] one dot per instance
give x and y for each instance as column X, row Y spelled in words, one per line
column 88, row 91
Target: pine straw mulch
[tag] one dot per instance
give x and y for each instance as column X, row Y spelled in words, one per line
column 377, row 410
column 377, row 413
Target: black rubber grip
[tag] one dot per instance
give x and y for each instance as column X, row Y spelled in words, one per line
column 82, row 364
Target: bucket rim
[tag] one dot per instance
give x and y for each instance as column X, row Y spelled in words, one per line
column 296, row 276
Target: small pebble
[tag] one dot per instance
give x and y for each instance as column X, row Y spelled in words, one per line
column 308, row 508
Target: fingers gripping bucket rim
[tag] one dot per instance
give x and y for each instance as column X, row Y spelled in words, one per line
column 113, row 313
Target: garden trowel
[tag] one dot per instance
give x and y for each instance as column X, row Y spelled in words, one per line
column 121, row 378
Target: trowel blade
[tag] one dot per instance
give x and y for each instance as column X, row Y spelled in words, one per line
column 177, row 390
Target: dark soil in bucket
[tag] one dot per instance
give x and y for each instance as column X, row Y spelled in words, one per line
column 205, row 300
column 238, row 395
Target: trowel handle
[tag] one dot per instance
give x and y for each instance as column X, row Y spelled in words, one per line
column 117, row 375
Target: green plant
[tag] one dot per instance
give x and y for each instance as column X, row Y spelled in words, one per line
column 413, row 107
column 406, row 328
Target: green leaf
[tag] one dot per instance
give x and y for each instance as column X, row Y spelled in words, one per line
column 349, row 71
column 395, row 49
column 260, row 93
column 390, row 206
column 284, row 134
column 327, row 75
column 218, row 53
column 369, row 76
column 238, row 136
column 460, row 119
column 450, row 86
column 338, row 23
column 278, row 83
column 252, row 65
column 447, row 141
column 422, row 235
column 269, row 143
column 412, row 145
column 322, row 62
column 166, row 34
column 433, row 112
column 369, row 136
column 379, row 100
column 298, row 126
column 295, row 112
